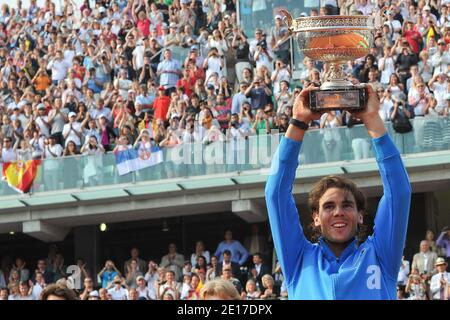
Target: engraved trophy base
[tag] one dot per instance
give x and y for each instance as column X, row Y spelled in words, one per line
column 338, row 93
column 350, row 98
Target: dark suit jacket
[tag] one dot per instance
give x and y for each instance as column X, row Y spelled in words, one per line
column 265, row 269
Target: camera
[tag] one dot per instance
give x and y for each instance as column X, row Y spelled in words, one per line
column 234, row 124
column 262, row 44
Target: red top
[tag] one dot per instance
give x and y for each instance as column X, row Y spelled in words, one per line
column 413, row 37
column 186, row 84
column 161, row 106
column 144, row 26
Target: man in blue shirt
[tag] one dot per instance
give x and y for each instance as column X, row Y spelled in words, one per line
column 238, row 253
column 339, row 266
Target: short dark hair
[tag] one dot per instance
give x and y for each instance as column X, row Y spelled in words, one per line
column 227, row 252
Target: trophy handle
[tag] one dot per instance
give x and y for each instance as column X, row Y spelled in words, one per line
column 287, row 17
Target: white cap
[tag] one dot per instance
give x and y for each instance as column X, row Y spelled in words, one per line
column 175, row 115
column 72, row 114
column 425, row 8
column 278, row 17
column 101, row 9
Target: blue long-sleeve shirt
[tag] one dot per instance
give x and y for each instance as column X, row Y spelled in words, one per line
column 238, row 253
column 365, row 271
column 444, row 242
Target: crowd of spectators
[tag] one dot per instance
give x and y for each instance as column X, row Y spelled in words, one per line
column 94, row 79
column 180, row 277
column 172, row 277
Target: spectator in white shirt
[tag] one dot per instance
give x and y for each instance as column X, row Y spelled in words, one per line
column 403, row 273
column 42, row 120
column 118, row 292
column 439, row 285
column 441, row 59
column 148, row 292
column 72, row 130
column 59, row 67
column 8, row 154
column 38, row 286
column 52, row 150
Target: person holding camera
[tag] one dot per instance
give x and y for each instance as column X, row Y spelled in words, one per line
column 279, row 37
column 214, row 63
column 259, row 93
column 416, row 288
column 108, row 273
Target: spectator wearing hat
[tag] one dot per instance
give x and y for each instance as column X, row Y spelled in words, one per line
column 172, row 39
column 72, row 130
column 440, row 282
column 194, row 58
column 161, row 104
column 186, row 16
column 441, row 59
column 118, row 292
column 144, row 291
column 279, row 36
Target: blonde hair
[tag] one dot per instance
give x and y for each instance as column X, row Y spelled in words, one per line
column 223, row 289
column 267, row 277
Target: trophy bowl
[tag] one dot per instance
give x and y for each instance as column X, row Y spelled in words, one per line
column 335, row 40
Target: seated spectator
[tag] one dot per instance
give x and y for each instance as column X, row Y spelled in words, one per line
column 251, row 291
column 440, row 281
column 260, row 268
column 228, row 275
column 271, row 292
column 118, row 292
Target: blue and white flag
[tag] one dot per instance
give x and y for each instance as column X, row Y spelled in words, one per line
column 132, row 160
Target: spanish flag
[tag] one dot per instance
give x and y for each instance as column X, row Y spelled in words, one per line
column 20, row 174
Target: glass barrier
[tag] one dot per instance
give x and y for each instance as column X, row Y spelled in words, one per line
column 198, row 159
